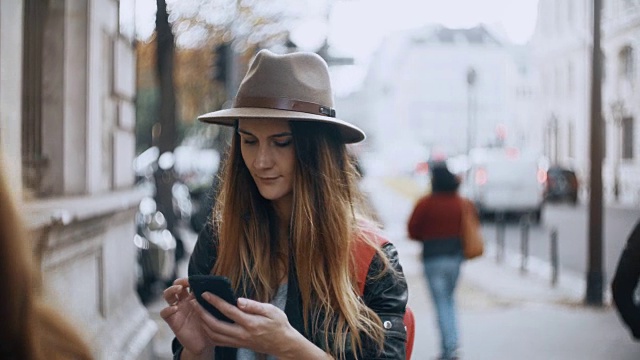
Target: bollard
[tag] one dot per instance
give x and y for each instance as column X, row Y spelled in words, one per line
column 554, row 257
column 525, row 222
column 500, row 231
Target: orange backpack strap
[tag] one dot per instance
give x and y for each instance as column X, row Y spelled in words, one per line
column 364, row 254
column 410, row 324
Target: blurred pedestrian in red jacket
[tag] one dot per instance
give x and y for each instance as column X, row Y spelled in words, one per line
column 436, row 222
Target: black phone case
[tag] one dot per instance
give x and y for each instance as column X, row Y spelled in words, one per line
column 218, row 285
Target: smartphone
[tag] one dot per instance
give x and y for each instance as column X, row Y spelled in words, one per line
column 218, row 285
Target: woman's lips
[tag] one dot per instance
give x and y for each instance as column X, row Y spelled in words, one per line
column 269, row 179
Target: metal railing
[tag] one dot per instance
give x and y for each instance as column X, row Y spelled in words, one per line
column 525, row 228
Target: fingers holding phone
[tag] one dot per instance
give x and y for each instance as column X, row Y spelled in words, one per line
column 176, row 292
column 182, row 316
column 261, row 327
column 237, row 322
column 177, row 297
column 217, row 285
column 224, row 305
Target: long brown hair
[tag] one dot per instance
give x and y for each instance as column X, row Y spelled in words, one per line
column 30, row 329
column 326, row 211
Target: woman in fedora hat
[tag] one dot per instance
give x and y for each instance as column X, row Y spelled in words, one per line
column 283, row 230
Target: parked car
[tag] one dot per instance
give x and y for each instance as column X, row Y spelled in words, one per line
column 157, row 265
column 506, row 181
column 562, row 185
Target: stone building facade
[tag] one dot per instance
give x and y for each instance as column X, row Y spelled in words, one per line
column 67, row 117
column 446, row 91
column 562, row 46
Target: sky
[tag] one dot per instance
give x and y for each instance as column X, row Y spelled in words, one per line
column 357, row 26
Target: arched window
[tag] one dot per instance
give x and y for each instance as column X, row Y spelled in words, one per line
column 603, row 66
column 570, row 79
column 627, row 137
column 626, row 63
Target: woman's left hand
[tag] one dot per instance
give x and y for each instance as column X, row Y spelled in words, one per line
column 261, row 327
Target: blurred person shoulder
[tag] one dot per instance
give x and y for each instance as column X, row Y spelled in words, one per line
column 633, row 241
column 58, row 338
column 625, row 282
column 32, row 329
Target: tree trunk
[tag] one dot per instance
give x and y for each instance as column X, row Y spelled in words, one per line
column 166, row 140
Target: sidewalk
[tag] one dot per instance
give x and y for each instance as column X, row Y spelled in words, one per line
column 506, row 315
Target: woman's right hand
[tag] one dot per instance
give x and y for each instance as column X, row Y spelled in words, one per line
column 182, row 317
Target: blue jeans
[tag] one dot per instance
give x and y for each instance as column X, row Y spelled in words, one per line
column 442, row 277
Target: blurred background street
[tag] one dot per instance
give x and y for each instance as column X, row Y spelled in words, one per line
column 507, row 313
column 504, row 313
column 531, row 103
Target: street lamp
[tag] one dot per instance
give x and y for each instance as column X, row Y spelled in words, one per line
column 618, row 112
column 471, row 82
column 553, row 139
column 595, row 276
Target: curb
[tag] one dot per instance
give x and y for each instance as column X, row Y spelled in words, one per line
column 570, row 285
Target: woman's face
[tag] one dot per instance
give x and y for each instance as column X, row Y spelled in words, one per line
column 268, row 151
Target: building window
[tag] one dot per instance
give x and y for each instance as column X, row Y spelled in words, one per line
column 570, row 140
column 570, row 79
column 127, row 23
column 558, row 17
column 33, row 160
column 557, row 81
column 630, row 4
column 627, row 66
column 604, row 139
column 552, row 139
column 627, row 138
column 547, row 83
column 603, row 66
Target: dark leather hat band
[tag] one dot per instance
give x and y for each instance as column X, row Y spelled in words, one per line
column 284, row 104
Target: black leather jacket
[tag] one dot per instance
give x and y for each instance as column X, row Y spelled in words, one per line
column 386, row 295
column 625, row 281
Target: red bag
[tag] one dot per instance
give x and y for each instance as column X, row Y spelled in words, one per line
column 364, row 256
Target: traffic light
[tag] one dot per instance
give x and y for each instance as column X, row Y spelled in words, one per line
column 221, row 66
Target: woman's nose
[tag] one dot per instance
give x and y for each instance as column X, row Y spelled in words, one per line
column 264, row 158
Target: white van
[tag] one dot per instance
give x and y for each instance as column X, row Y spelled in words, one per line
column 505, row 181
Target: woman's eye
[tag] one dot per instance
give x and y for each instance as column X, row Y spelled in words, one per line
column 283, row 143
column 248, row 141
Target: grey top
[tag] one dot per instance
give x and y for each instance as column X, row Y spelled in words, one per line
column 279, row 300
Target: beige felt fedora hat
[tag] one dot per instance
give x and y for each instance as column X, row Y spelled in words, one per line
column 293, row 86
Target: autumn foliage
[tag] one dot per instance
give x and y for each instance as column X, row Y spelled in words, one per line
column 196, row 90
